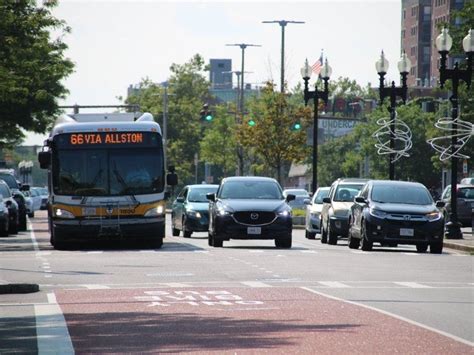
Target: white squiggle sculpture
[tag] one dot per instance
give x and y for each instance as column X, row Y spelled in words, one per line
column 465, row 130
column 402, row 134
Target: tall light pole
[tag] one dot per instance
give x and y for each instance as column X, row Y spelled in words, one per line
column 325, row 73
column 283, row 24
column 242, row 46
column 393, row 92
column 240, row 155
column 443, row 44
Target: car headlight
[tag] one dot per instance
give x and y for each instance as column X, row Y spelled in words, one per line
column 60, row 213
column 155, row 211
column 315, row 214
column 223, row 212
column 433, row 216
column 284, row 213
column 377, row 213
column 193, row 213
column 341, row 213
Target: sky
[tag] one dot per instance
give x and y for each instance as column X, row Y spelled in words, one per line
column 115, row 44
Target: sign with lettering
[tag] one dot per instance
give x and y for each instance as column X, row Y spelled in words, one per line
column 109, row 139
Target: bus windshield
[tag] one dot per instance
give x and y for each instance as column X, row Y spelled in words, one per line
column 108, row 172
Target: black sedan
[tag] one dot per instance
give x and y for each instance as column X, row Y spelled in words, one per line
column 396, row 212
column 250, row 208
column 190, row 210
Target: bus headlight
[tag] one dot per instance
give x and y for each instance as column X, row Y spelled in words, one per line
column 60, row 213
column 155, row 211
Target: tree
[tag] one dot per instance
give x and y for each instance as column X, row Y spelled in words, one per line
column 32, row 66
column 219, row 144
column 271, row 138
column 187, row 89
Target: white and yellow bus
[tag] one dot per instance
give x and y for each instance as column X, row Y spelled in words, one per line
column 106, row 178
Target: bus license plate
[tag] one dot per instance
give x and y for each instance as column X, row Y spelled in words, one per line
column 254, row 230
column 407, row 232
column 89, row 211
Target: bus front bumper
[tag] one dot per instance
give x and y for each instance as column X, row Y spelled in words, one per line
column 93, row 229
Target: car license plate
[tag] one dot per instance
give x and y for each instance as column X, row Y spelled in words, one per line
column 407, row 232
column 89, row 211
column 254, row 230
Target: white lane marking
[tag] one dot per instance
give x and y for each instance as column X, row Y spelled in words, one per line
column 51, row 298
column 33, row 238
column 333, row 284
column 255, row 251
column 309, row 251
column 454, row 337
column 95, row 252
column 360, row 252
column 412, row 284
column 255, row 284
column 276, row 276
column 174, row 284
column 202, row 251
column 51, row 329
column 96, row 287
column 412, row 254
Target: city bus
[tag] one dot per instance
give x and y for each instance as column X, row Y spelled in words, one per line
column 106, row 179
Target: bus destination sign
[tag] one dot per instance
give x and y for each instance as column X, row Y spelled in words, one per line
column 99, row 139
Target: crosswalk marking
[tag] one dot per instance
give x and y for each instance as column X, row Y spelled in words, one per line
column 255, row 284
column 96, row 287
column 333, row 284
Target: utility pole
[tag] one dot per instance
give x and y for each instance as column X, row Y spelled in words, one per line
column 240, row 154
column 165, row 120
column 282, row 24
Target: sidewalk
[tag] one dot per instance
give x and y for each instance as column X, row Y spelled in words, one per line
column 466, row 244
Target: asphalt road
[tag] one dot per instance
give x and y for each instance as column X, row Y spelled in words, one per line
column 247, row 297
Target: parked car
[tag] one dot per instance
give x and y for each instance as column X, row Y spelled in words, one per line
column 250, row 208
column 464, row 203
column 300, row 196
column 7, row 176
column 28, row 203
column 467, row 181
column 4, row 217
column 313, row 212
column 190, row 210
column 43, row 191
column 12, row 206
column 336, row 209
column 399, row 212
column 35, row 204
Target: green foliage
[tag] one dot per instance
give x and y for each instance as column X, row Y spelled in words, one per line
column 32, row 67
column 219, row 145
column 465, row 17
column 271, row 139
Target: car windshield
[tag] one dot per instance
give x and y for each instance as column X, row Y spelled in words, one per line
column 466, row 192
column 320, row 194
column 411, row 195
column 261, row 190
column 10, row 180
column 198, row 194
column 347, row 192
column 297, row 192
column 4, row 191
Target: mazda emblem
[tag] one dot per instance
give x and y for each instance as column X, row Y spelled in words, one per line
column 254, row 216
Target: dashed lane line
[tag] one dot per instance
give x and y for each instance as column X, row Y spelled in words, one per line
column 255, row 284
column 334, row 284
column 412, row 284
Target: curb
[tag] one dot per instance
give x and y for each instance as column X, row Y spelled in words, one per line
column 18, row 288
column 461, row 247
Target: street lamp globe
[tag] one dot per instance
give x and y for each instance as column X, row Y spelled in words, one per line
column 404, row 64
column 444, row 41
column 382, row 64
column 306, row 70
column 468, row 42
column 326, row 70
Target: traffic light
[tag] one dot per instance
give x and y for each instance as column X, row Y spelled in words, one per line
column 296, row 126
column 251, row 122
column 206, row 114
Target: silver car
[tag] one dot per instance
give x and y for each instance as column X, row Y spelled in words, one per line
column 313, row 212
column 464, row 203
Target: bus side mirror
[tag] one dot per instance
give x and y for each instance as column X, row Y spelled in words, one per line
column 44, row 159
column 172, row 179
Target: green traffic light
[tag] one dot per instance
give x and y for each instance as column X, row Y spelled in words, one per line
column 251, row 123
column 209, row 117
column 297, row 126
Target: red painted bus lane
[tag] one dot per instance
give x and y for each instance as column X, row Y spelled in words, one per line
column 238, row 320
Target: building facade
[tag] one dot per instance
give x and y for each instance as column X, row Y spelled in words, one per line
column 420, row 27
column 220, row 74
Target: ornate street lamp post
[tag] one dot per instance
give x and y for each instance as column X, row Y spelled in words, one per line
column 393, row 92
column 315, row 95
column 443, row 44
